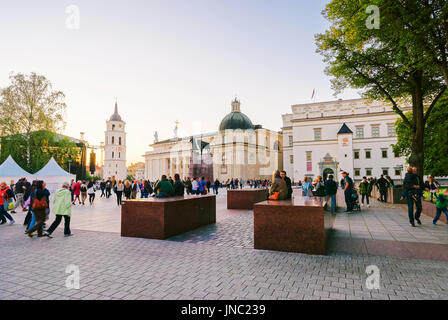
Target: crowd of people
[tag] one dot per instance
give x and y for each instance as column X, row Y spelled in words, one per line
column 34, row 198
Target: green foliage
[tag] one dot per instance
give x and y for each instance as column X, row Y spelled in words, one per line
column 403, row 63
column 43, row 145
column 90, row 177
column 435, row 140
column 130, row 177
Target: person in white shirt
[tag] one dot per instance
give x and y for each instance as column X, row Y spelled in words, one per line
column 91, row 192
column 195, row 186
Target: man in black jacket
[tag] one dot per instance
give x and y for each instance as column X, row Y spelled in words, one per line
column 288, row 183
column 382, row 186
column 414, row 192
column 331, row 188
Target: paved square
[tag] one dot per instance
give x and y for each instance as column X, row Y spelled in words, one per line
column 214, row 262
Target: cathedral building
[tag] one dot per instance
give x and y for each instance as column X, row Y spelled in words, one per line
column 115, row 148
column 239, row 149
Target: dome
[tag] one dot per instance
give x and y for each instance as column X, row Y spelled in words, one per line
column 236, row 119
column 115, row 116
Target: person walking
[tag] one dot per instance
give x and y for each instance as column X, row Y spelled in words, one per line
column 83, row 192
column 320, row 189
column 77, row 191
column 288, row 183
column 195, row 186
column 134, row 188
column 19, row 191
column 432, row 187
column 383, row 188
column 91, row 191
column 278, row 188
column 413, row 186
column 61, row 208
column 6, row 195
column 119, row 187
column 148, row 189
column 179, row 187
column 202, row 186
column 40, row 205
column 365, row 190
column 216, row 185
column 188, row 187
column 108, row 188
column 441, row 206
column 307, row 187
column 331, row 188
column 103, row 188
column 127, row 190
column 348, row 191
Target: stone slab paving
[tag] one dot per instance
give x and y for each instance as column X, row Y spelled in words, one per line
column 112, row 267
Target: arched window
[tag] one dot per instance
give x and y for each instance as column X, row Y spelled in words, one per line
column 113, row 140
column 113, row 127
column 119, row 141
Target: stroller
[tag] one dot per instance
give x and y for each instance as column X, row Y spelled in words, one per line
column 355, row 201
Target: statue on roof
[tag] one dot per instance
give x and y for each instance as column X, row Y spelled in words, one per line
column 156, row 137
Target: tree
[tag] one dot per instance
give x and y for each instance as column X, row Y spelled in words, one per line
column 29, row 104
column 44, row 145
column 436, row 139
column 403, row 62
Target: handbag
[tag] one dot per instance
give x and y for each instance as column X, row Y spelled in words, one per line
column 10, row 206
column 274, row 196
column 39, row 204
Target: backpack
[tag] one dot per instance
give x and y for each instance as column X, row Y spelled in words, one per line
column 83, row 188
column 39, row 204
column 320, row 191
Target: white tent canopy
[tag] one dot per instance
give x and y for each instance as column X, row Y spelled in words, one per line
column 10, row 170
column 53, row 175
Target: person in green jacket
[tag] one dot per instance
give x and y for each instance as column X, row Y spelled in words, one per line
column 365, row 188
column 441, row 205
column 62, row 207
column 164, row 188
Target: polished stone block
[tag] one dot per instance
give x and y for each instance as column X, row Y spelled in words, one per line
column 298, row 225
column 245, row 198
column 156, row 218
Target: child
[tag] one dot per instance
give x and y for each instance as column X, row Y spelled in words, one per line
column 441, row 205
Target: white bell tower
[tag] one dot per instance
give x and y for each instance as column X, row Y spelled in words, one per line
column 115, row 148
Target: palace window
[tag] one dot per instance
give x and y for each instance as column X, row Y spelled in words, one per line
column 357, row 172
column 318, row 134
column 391, row 130
column 113, row 127
column 309, row 156
column 386, row 171
column 360, row 132
column 119, row 155
column 119, row 141
column 369, row 172
column 368, row 154
column 397, row 172
column 290, row 141
column 356, row 154
column 376, row 131
column 291, row 159
column 113, row 154
column 384, row 153
column 113, row 140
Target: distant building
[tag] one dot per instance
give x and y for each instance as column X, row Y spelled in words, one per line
column 238, row 150
column 136, row 169
column 115, row 148
column 345, row 135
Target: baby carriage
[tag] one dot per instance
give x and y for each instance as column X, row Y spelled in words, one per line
column 355, row 201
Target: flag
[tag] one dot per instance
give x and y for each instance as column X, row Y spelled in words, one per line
column 314, row 91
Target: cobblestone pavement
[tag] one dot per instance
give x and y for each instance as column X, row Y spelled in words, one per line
column 112, row 267
column 214, row 262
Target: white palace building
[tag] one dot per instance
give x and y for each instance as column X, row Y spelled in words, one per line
column 345, row 135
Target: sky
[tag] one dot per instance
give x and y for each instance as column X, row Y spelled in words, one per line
column 168, row 60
